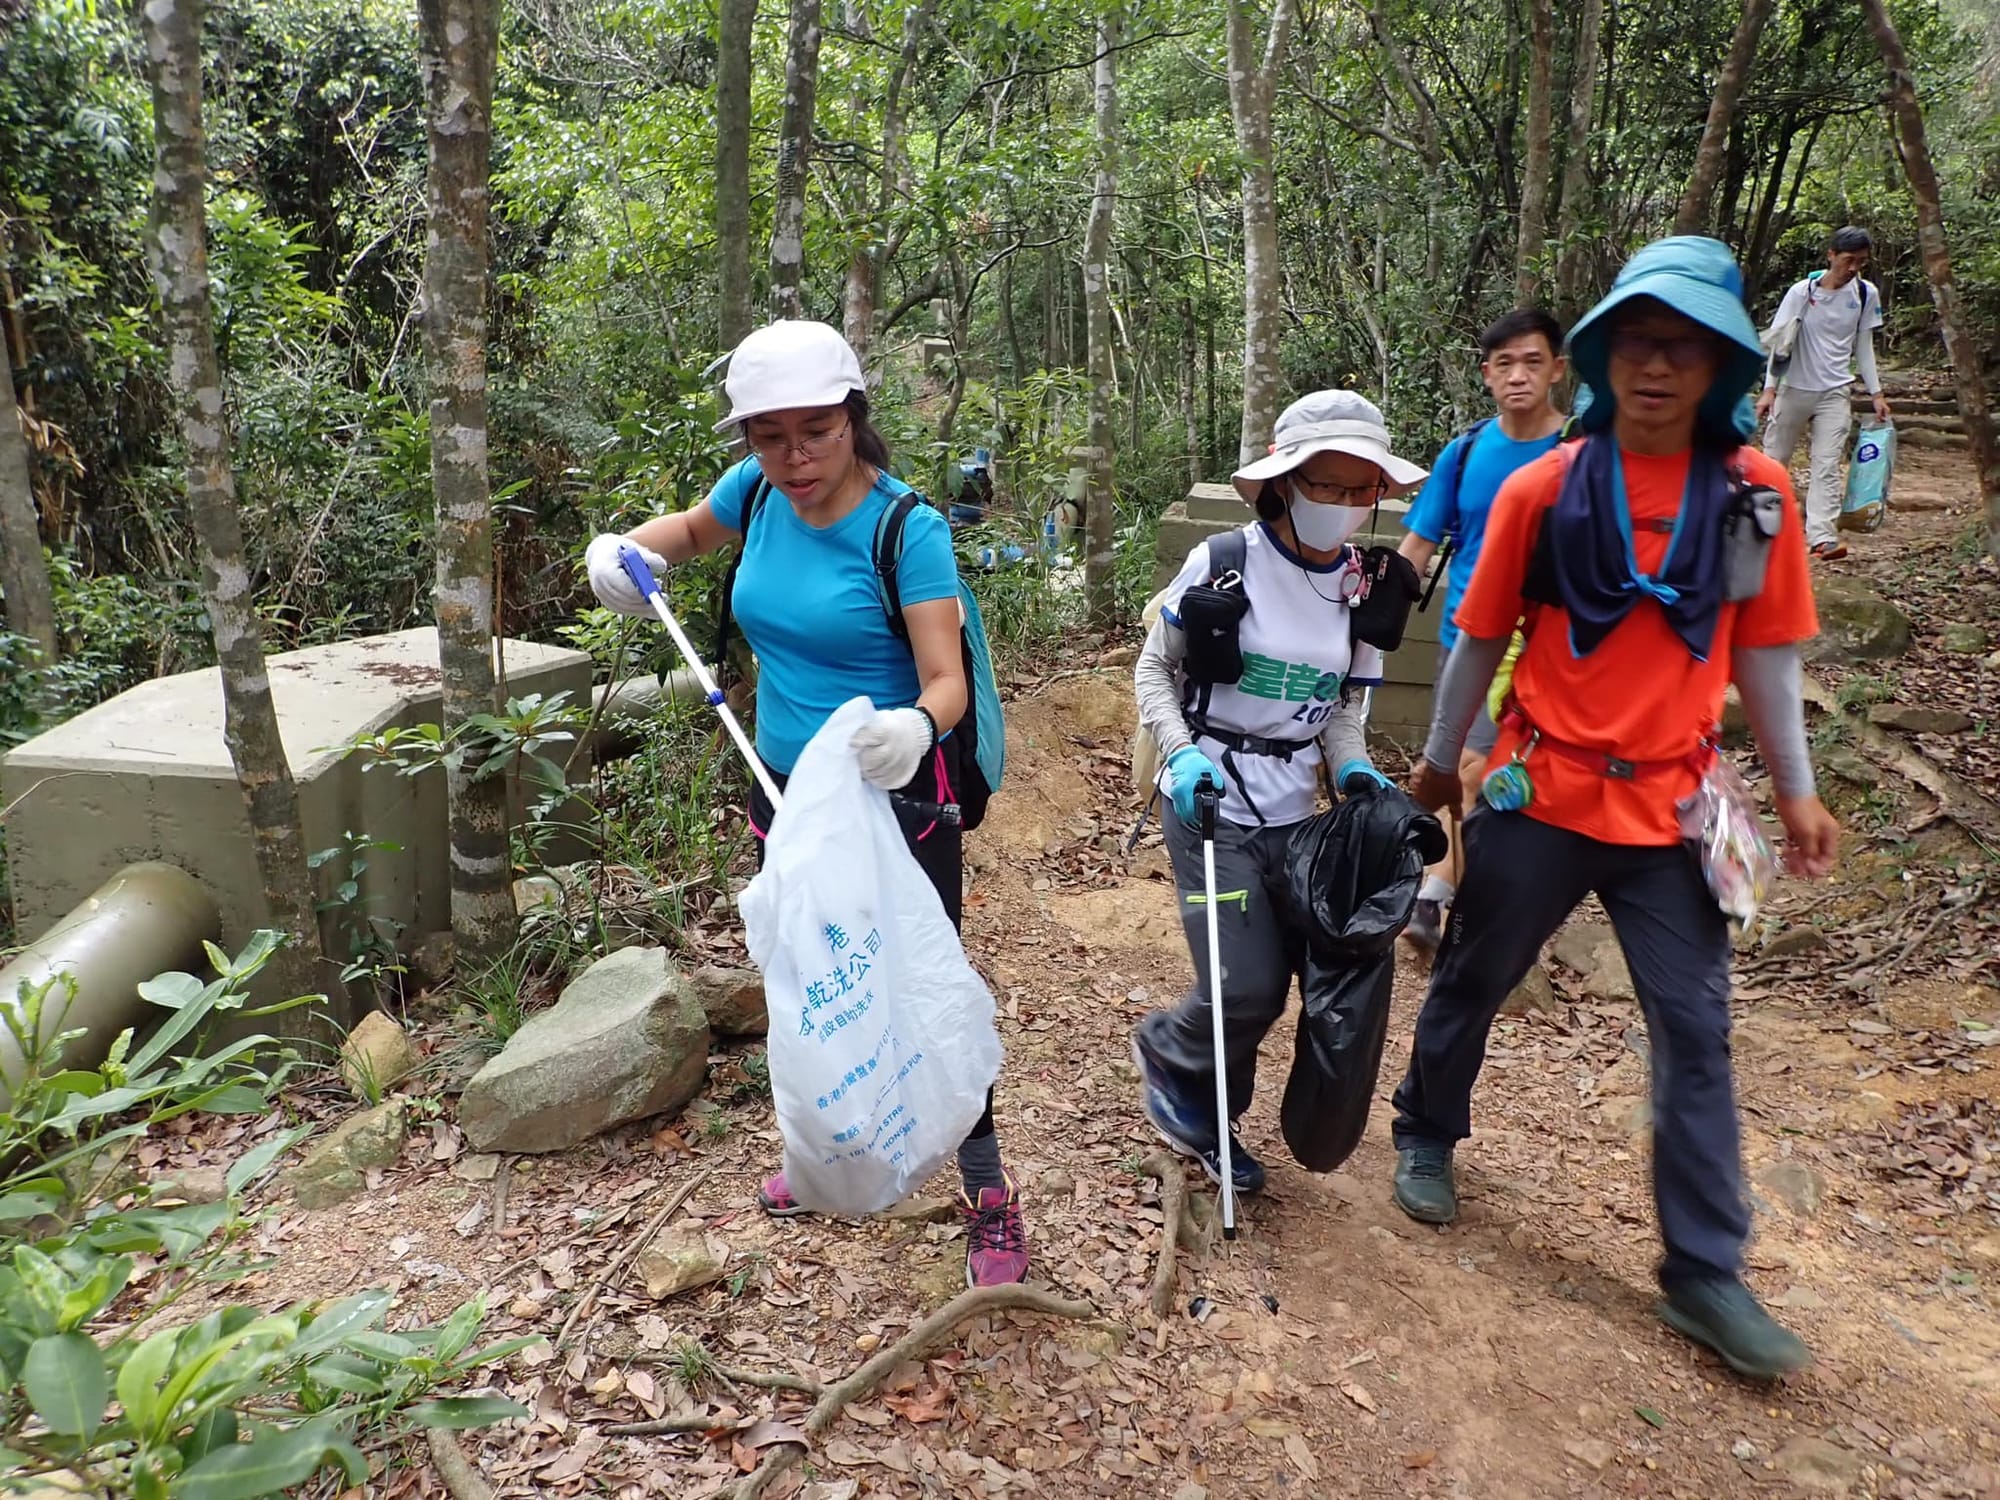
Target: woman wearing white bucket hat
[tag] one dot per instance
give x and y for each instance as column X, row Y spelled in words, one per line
column 1277, row 597
column 807, row 596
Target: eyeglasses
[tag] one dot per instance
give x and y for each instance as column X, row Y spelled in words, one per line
column 1684, row 351
column 1340, row 494
column 777, row 450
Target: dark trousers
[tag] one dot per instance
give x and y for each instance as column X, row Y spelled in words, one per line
column 1522, row 878
column 1261, row 946
column 938, row 847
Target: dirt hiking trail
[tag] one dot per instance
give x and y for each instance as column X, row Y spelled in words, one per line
column 1514, row 1354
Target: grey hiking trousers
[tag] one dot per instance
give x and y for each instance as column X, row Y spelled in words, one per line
column 1262, row 950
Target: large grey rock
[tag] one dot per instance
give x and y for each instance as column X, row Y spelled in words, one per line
column 1591, row 949
column 1812, row 1463
column 1918, row 718
column 1535, row 995
column 733, row 1000
column 627, row 1039
column 1796, row 1185
column 1855, row 623
column 1963, row 638
column 336, row 1169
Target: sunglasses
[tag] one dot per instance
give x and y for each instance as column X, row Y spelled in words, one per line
column 1684, row 351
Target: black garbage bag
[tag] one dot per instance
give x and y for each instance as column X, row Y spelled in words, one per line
column 1353, row 873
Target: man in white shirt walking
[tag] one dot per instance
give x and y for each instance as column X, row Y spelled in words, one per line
column 1822, row 337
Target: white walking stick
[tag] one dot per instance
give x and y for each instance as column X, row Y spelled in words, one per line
column 1206, row 795
column 634, row 564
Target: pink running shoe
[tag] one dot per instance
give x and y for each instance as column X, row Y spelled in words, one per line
column 775, row 1198
column 996, row 1239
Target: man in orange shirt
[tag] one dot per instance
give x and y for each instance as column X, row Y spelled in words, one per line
column 1654, row 562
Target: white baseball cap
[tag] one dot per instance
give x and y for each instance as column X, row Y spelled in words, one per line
column 1328, row 422
column 787, row 364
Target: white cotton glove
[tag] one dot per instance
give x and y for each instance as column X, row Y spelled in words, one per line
column 614, row 590
column 891, row 746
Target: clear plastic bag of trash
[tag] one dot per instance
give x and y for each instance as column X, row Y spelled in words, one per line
column 1719, row 818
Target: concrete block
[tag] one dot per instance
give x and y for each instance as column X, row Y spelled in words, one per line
column 147, row 776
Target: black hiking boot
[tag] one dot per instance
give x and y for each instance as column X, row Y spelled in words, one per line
column 1424, row 1186
column 1722, row 1314
column 1189, row 1129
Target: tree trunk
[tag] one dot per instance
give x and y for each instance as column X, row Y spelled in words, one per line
column 1693, row 215
column 732, row 171
column 795, row 138
column 877, row 240
column 1913, row 146
column 1100, row 572
column 1540, row 165
column 24, row 572
column 1576, row 163
column 458, row 43
column 178, row 251
column 1252, row 90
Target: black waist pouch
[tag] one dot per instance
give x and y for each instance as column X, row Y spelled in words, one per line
column 1210, row 616
column 1390, row 587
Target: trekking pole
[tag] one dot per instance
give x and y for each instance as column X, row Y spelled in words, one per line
column 1206, row 795
column 634, row 564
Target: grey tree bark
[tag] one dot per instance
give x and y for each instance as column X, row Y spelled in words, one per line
column 24, row 572
column 733, row 311
column 1540, row 164
column 458, row 45
column 795, row 138
column 177, row 249
column 1253, row 81
column 1100, row 572
column 1913, row 146
column 1575, row 257
column 880, row 240
column 1692, row 216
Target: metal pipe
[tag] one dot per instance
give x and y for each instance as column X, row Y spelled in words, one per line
column 145, row 920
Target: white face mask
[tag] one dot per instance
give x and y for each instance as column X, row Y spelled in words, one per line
column 1323, row 527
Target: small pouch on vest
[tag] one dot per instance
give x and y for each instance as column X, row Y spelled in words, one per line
column 1390, row 586
column 1749, row 525
column 1210, row 615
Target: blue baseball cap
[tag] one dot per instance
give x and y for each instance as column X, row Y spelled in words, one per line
column 1697, row 278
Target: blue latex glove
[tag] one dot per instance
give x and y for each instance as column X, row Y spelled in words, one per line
column 1185, row 769
column 1356, row 777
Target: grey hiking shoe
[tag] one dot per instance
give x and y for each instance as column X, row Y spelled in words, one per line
column 1426, row 927
column 1724, row 1315
column 1424, row 1187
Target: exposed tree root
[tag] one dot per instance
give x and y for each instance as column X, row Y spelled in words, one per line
column 454, row 1468
column 1963, row 803
column 914, row 1345
column 1179, row 1225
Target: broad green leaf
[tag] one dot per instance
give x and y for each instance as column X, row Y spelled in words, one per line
column 84, row 1301
column 140, row 1376
column 380, row 1345
column 344, row 1319
column 215, row 1430
column 492, row 1354
column 348, row 1374
column 171, row 990
column 14, row 1207
column 457, row 1333
column 66, row 1383
column 465, row 1411
column 252, row 1163
column 272, row 1461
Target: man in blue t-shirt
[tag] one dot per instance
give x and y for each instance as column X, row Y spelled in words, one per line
column 1520, row 359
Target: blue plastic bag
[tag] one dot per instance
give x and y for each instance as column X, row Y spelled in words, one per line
column 1867, row 501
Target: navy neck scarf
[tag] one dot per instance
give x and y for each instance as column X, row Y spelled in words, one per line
column 1596, row 572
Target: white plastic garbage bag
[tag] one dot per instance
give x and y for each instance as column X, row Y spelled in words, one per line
column 882, row 1043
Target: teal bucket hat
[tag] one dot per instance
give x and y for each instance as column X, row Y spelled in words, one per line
column 1697, row 278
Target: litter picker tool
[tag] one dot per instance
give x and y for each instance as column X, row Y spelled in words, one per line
column 1206, row 795
column 634, row 563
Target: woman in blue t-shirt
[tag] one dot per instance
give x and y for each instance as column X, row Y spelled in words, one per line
column 810, row 605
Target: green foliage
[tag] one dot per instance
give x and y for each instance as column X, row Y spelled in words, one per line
column 367, row 936
column 240, row 1403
